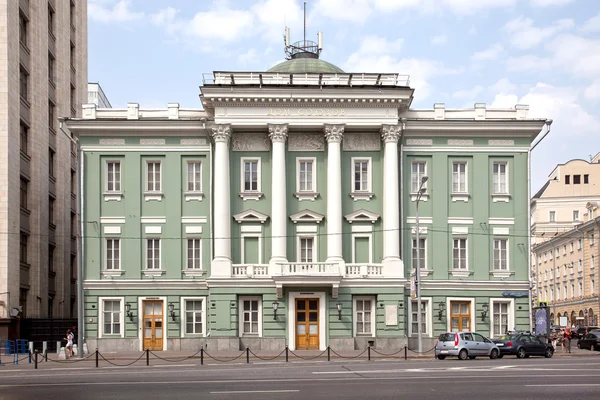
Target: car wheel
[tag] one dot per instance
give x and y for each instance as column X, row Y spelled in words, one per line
column 494, row 354
column 500, row 355
column 548, row 353
column 441, row 357
column 521, row 353
column 463, row 355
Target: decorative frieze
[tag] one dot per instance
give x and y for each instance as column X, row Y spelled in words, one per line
column 112, row 142
column 306, row 142
column 419, row 142
column 250, row 142
column 278, row 132
column 501, row 142
column 362, row 142
column 152, row 142
column 193, row 142
column 334, row 133
column 460, row 142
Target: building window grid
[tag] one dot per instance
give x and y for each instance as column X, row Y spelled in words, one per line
column 23, row 30
column 501, row 254
column 153, row 254
column 113, row 254
column 113, row 176
column 363, row 317
column 194, row 176
column 194, row 316
column 251, row 176
column 459, row 250
column 459, row 177
column 306, row 249
column 250, row 317
column 51, row 204
column 23, row 248
column 305, row 176
column 552, row 216
column 24, row 133
column 575, row 215
column 361, row 175
column 154, row 176
column 500, row 178
column 23, row 84
column 422, row 252
column 500, row 315
column 579, row 288
column 414, row 330
column 418, row 171
column 24, row 203
column 194, row 260
column 111, row 310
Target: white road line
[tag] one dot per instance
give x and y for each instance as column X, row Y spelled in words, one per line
column 256, row 391
column 566, row 385
column 174, row 365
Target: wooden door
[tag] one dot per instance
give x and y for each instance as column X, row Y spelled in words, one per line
column 307, row 324
column 460, row 316
column 153, row 324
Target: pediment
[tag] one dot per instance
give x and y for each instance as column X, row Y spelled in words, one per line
column 362, row 216
column 307, row 216
column 250, row 216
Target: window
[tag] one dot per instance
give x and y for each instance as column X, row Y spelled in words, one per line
column 23, row 28
column 306, row 249
column 580, row 289
column 564, row 249
column 459, row 177
column 113, row 254
column 51, row 62
column 459, row 250
column 592, row 242
column 592, row 262
column 73, row 182
column 111, row 317
column 194, row 176
column 51, row 163
column 23, row 194
column 361, row 176
column 72, row 56
column 572, row 247
column 572, row 290
column 153, row 177
column 552, row 216
column 51, row 210
column 194, row 316
column 23, row 246
column 51, row 116
column 194, row 260
column 501, row 254
column 586, row 179
column 24, row 131
column 566, row 293
column 250, row 318
column 423, row 260
column 73, row 97
column 579, row 266
column 113, row 176
column 414, row 317
column 500, row 178
column 306, row 176
column 567, row 179
column 417, row 173
column 51, row 249
column 500, row 315
column 575, row 215
column 551, row 254
column 579, row 243
column 592, row 286
column 23, row 82
column 364, row 315
column 572, row 264
column 251, row 176
column 576, row 179
column 153, row 254
column 50, row 20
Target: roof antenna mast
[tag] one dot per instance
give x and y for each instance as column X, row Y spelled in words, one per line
column 304, row 23
column 304, row 48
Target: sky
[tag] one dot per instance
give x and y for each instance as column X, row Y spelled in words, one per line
column 544, row 53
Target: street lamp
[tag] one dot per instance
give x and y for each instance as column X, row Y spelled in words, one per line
column 418, row 271
column 275, row 308
column 339, row 308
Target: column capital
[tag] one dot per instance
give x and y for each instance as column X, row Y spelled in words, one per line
column 221, row 132
column 391, row 133
column 334, row 132
column 278, row 132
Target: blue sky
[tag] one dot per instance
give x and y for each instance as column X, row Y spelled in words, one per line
column 545, row 53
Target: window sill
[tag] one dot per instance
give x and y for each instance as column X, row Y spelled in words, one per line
column 306, row 195
column 501, row 274
column 194, row 196
column 424, row 197
column 500, row 197
column 109, row 273
column 194, row 272
column 153, row 196
column 458, row 273
column 113, row 196
column 154, row 272
column 460, row 197
column 251, row 195
column 356, row 196
column 424, row 272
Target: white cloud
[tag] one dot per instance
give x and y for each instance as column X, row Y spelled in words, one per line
column 345, row 10
column 102, row 11
column 592, row 24
column 548, row 3
column 373, row 44
column 248, row 57
column 592, row 92
column 491, row 53
column 469, row 7
column 576, row 55
column 528, row 63
column 504, row 85
column 439, row 40
column 272, row 17
column 470, row 94
column 523, row 35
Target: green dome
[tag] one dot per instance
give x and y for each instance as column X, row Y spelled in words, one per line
column 305, row 65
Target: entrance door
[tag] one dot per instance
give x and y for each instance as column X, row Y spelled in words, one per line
column 153, row 324
column 460, row 316
column 307, row 324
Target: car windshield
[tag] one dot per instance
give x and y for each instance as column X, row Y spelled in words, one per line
column 507, row 337
column 447, row 337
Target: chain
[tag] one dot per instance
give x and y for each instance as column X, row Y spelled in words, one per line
column 307, row 358
column 221, row 360
column 267, row 358
column 176, row 359
column 349, row 357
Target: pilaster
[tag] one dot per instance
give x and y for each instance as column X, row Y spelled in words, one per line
column 334, row 135
column 221, row 263
column 278, row 135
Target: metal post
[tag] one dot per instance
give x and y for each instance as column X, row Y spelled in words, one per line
column 369, row 353
column 328, row 353
column 247, row 355
column 96, row 358
column 35, row 359
column 405, row 352
column 147, row 357
column 202, row 356
column 29, row 357
column 418, row 271
column 286, row 353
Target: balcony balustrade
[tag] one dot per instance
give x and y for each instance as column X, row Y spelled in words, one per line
column 306, row 269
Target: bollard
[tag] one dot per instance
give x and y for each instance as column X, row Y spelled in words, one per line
column 369, row 353
column 96, row 358
column 29, row 357
column 247, row 355
column 58, row 346
column 30, row 350
column 35, row 359
column 405, row 352
column 46, row 355
column 202, row 356
column 44, row 347
column 286, row 353
column 147, row 357
column 328, row 353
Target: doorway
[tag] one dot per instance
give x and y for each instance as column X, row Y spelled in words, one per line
column 307, row 324
column 153, row 331
column 460, row 316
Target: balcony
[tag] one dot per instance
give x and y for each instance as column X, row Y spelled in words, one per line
column 250, row 270
column 363, row 270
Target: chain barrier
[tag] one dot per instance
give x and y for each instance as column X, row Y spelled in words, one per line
column 123, row 365
column 423, row 352
column 221, row 360
column 68, row 360
column 307, row 358
column 349, row 357
column 386, row 354
column 267, row 358
column 175, row 359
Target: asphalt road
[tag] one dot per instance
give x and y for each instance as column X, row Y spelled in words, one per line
column 508, row 378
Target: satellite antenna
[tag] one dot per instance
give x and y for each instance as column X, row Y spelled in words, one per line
column 304, row 48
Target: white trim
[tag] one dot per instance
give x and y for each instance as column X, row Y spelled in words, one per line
column 140, row 316
column 460, row 271
column 250, row 216
column 194, row 220
column 250, row 194
column 364, row 193
column 362, row 235
column 460, row 230
column 511, row 313
column 186, row 249
column 501, row 272
column 110, row 195
column 187, row 175
column 428, row 315
column 241, row 300
column 182, row 149
column 501, row 221
column 460, row 194
column 362, row 228
column 362, row 215
column 422, row 220
column 153, row 220
column 193, row 229
column 112, row 220
column 312, row 216
column 112, row 230
column 183, row 316
column 505, row 194
column 153, row 230
column 101, row 301
column 460, row 197
column 424, row 270
column 306, row 194
column 314, row 246
column 355, row 319
column 496, row 150
column 105, row 269
column 458, row 220
column 292, row 317
column 159, row 269
column 152, row 194
column 414, row 194
column 307, row 229
column 251, row 228
column 501, row 231
column 473, row 319
column 243, row 236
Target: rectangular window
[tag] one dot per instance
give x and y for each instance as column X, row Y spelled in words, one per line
column 459, row 250
column 111, row 315
column 306, row 249
column 193, row 254
column 580, row 289
column 51, row 163
column 113, row 176
column 51, row 116
column 422, row 261
column 567, row 179
column 579, row 266
column 576, row 179
column 592, row 239
column 24, row 131
column 592, row 286
column 459, row 177
column 51, row 210
column 306, row 176
column 564, row 249
column 500, row 317
column 23, row 82
column 552, row 216
column 23, row 27
column 592, row 262
column 417, row 173
column 586, row 179
column 153, row 254
column 194, row 317
column 251, row 175
column 194, row 176
column 501, row 254
column 23, row 194
column 23, row 245
column 250, row 310
column 51, row 250
column 500, row 178
column 364, row 316
column 51, row 62
column 414, row 317
column 113, row 254
column 361, row 176
column 153, row 176
column 50, row 20
column 572, row 246
column 579, row 244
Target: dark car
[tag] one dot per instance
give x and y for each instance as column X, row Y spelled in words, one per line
column 582, row 331
column 523, row 345
column 590, row 341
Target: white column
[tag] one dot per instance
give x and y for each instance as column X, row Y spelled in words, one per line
column 334, row 135
column 221, row 263
column 278, row 135
column 391, row 201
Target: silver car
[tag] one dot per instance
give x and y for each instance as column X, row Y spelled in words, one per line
column 465, row 345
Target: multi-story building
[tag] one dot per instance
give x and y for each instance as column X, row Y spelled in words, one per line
column 43, row 75
column 284, row 212
column 96, row 96
column 566, row 272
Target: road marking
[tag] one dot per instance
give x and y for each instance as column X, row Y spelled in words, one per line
column 174, row 365
column 256, row 391
column 566, row 384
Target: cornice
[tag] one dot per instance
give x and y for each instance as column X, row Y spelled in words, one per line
column 159, row 284
column 500, row 127
column 124, row 127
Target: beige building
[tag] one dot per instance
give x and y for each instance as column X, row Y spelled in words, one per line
column 43, row 75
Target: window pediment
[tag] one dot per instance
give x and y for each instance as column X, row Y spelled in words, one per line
column 250, row 216
column 307, row 216
column 362, row 216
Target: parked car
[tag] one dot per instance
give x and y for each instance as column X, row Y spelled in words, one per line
column 582, row 331
column 523, row 345
column 590, row 341
column 465, row 345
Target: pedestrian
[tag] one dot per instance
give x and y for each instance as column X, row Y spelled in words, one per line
column 69, row 346
column 568, row 336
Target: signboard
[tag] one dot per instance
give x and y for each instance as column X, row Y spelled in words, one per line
column 391, row 315
column 542, row 318
column 563, row 321
column 413, row 288
column 542, row 303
